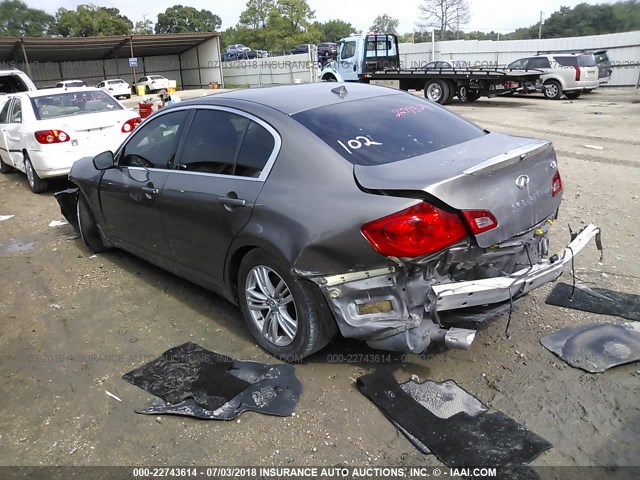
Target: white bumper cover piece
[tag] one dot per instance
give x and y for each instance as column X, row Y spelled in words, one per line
column 451, row 296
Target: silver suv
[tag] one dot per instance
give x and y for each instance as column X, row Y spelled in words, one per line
column 564, row 73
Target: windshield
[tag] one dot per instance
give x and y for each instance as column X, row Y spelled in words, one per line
column 387, row 129
column 73, row 103
column 12, row 84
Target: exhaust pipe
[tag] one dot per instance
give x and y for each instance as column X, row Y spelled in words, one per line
column 460, row 338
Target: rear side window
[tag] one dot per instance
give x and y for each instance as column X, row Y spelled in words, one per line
column 567, row 61
column 256, row 149
column 539, row 62
column 387, row 129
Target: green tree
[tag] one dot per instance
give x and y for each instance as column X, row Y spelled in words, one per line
column 19, row 20
column 181, row 19
column 91, row 21
column 143, row 28
column 334, row 30
column 256, row 15
column 385, row 24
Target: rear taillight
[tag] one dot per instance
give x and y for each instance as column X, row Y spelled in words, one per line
column 130, row 125
column 51, row 136
column 577, row 73
column 556, row 184
column 480, row 221
column 415, row 231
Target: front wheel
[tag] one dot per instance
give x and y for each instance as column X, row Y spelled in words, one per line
column 87, row 226
column 280, row 309
column 36, row 184
column 147, row 90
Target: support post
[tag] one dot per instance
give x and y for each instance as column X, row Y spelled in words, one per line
column 26, row 59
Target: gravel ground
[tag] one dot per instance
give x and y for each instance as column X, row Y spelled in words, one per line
column 71, row 323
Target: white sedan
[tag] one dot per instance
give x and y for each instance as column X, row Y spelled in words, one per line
column 42, row 133
column 116, row 87
column 154, row 83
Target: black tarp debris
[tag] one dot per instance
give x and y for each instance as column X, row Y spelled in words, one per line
column 596, row 300
column 484, row 439
column 596, row 347
column 193, row 381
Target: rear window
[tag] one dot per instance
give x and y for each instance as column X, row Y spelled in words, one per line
column 73, row 103
column 387, row 129
column 587, row 60
column 12, row 84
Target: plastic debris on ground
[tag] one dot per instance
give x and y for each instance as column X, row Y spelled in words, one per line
column 468, row 436
column 596, row 347
column 196, row 382
column 595, row 300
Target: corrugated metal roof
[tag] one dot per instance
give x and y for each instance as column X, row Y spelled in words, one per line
column 60, row 49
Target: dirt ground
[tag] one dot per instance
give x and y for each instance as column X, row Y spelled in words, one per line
column 71, row 323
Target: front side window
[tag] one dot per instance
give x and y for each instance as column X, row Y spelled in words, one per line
column 212, row 142
column 517, row 65
column 348, row 50
column 387, row 129
column 4, row 113
column 154, row 145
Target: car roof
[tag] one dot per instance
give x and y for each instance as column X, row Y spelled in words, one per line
column 290, row 99
column 55, row 91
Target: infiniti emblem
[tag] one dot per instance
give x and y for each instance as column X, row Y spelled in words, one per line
column 522, row 181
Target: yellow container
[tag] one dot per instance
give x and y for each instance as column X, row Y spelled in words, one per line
column 173, row 84
column 140, row 90
column 171, row 90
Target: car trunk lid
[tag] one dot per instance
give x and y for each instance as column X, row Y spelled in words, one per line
column 509, row 176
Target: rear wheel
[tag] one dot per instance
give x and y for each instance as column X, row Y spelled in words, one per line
column 552, row 89
column 280, row 309
column 4, row 168
column 573, row 95
column 36, row 184
column 466, row 96
column 437, row 91
column 88, row 228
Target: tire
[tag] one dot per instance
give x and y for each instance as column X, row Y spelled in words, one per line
column 330, row 78
column 452, row 91
column 87, row 227
column 588, row 90
column 573, row 95
column 467, row 96
column 4, row 168
column 299, row 328
column 36, row 184
column 147, row 90
column 437, row 91
column 127, row 97
column 553, row 90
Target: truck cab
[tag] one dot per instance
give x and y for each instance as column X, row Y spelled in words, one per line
column 360, row 54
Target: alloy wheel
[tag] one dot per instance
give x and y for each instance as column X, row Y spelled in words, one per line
column 271, row 306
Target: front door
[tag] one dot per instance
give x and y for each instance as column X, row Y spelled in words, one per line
column 348, row 61
column 131, row 194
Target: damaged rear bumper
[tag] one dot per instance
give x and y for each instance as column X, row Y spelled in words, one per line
column 451, row 296
column 393, row 309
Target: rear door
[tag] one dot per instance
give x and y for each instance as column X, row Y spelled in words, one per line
column 131, row 194
column 13, row 132
column 210, row 196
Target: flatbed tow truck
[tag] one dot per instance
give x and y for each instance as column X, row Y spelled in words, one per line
column 374, row 58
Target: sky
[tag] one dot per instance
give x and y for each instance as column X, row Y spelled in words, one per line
column 486, row 15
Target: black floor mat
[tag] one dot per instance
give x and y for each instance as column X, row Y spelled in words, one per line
column 596, row 300
column 273, row 390
column 486, row 439
column 189, row 371
column 596, row 347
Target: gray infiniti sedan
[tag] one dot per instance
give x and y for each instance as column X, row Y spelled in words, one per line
column 328, row 208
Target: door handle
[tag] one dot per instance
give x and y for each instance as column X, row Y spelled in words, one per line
column 150, row 190
column 232, row 202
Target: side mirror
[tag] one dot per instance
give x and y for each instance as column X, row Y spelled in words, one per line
column 104, row 161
